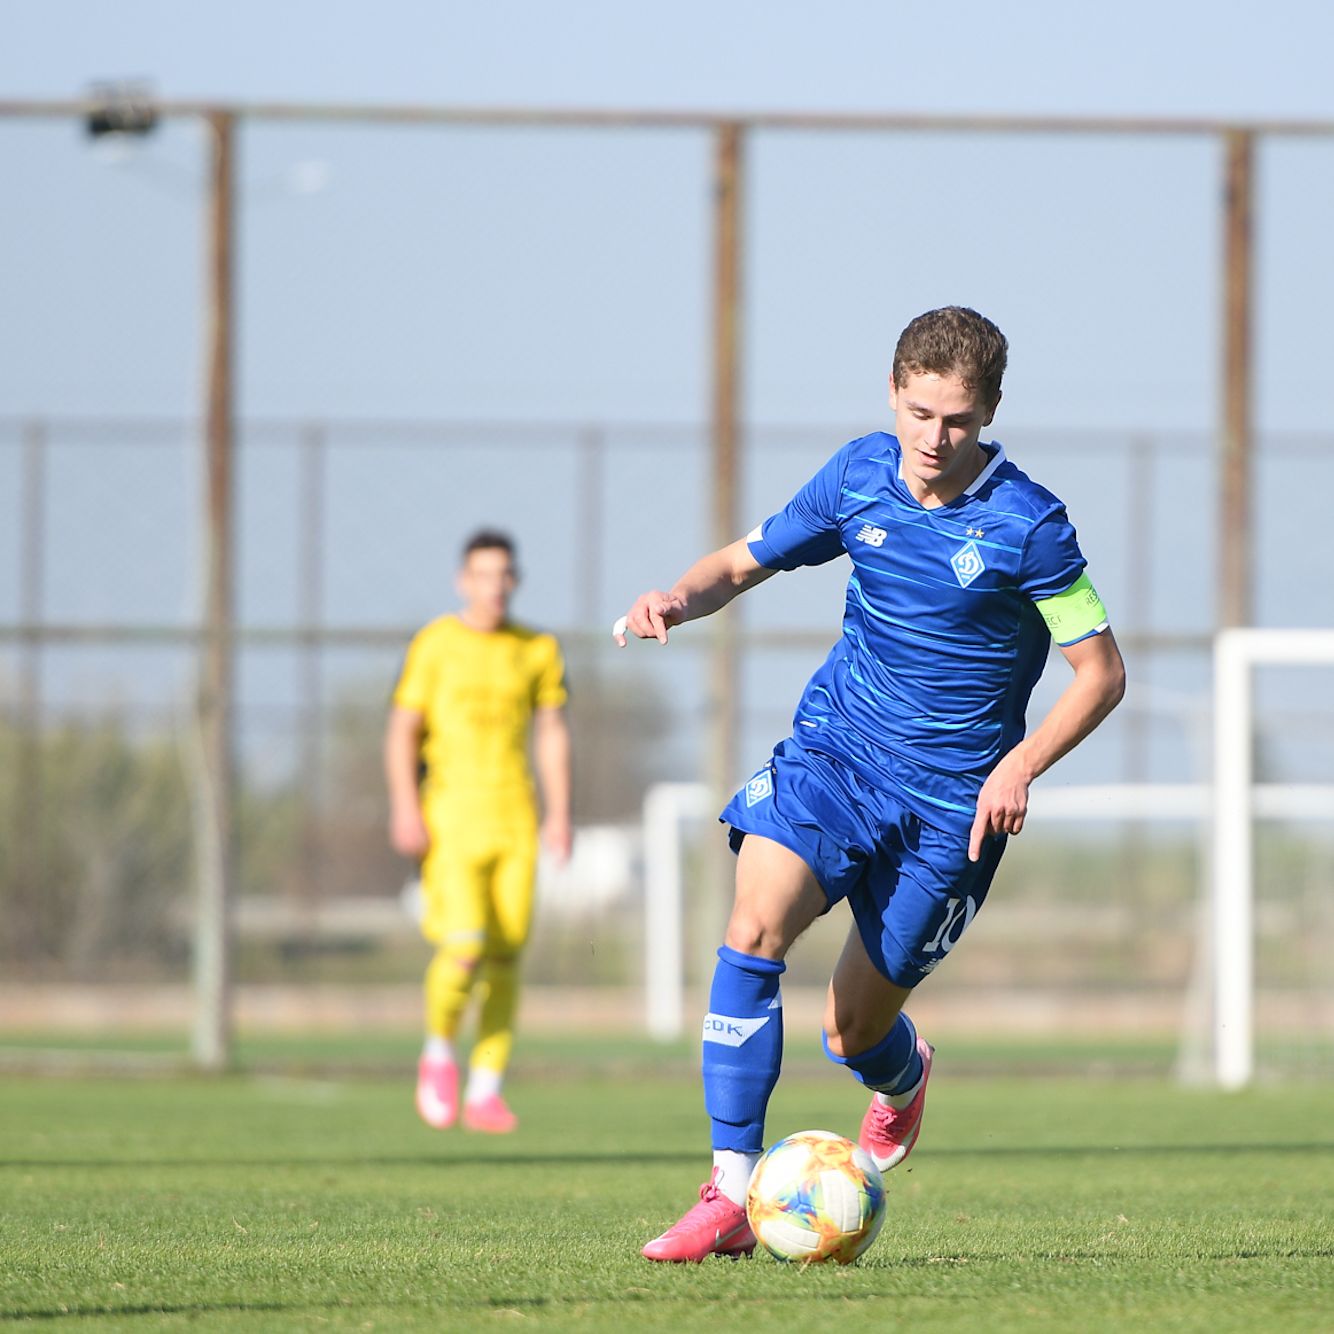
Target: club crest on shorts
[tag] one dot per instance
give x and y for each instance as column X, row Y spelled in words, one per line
column 759, row 787
column 967, row 564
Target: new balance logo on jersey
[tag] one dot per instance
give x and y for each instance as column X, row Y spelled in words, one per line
column 729, row 1031
column 871, row 535
column 967, row 564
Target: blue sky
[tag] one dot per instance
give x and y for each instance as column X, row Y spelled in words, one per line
column 546, row 273
column 1191, row 58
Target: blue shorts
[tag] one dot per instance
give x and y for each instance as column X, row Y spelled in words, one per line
column 912, row 890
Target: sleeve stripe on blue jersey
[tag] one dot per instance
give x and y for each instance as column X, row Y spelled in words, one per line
column 1097, row 630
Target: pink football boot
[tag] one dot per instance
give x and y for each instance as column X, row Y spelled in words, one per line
column 889, row 1135
column 490, row 1115
column 437, row 1092
column 715, row 1226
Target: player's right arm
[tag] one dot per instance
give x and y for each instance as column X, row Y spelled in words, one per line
column 805, row 532
column 707, row 586
column 402, row 754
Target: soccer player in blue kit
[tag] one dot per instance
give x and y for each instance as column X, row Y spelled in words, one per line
column 908, row 764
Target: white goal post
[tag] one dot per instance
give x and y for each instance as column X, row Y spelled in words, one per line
column 1231, row 804
column 667, row 807
column 1232, row 870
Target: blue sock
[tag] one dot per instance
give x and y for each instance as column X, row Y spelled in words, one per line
column 892, row 1066
column 743, row 1048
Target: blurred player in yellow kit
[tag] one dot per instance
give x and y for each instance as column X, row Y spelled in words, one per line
column 475, row 689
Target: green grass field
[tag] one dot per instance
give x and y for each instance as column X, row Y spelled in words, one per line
column 263, row 1202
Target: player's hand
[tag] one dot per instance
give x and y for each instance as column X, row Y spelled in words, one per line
column 408, row 834
column 653, row 614
column 557, row 838
column 1002, row 804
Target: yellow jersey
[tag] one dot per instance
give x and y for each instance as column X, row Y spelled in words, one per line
column 476, row 691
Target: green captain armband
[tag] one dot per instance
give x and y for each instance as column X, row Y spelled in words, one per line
column 1075, row 614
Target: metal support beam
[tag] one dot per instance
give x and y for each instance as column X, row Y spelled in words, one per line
column 215, row 777
column 28, row 794
column 724, row 481
column 591, row 537
column 1234, row 532
column 701, row 119
column 725, row 473
column 310, row 560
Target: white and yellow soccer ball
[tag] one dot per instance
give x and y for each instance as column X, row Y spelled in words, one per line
column 815, row 1196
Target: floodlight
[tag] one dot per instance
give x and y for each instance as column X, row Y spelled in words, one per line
column 121, row 109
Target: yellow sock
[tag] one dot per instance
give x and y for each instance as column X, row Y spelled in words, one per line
column 495, row 1028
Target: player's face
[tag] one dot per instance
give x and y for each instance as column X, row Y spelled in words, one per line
column 938, row 419
column 486, row 583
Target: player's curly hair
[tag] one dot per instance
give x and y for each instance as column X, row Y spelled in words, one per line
column 953, row 340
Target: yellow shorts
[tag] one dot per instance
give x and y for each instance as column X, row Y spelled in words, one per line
column 477, row 884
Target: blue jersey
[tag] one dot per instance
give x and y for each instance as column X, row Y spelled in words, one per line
column 942, row 645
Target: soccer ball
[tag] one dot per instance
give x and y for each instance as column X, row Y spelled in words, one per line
column 816, row 1196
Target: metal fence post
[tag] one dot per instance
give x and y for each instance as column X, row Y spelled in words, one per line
column 1234, row 520
column 215, row 764
column 725, row 479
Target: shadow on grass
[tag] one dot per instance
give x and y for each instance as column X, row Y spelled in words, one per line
column 1279, row 1251
column 451, row 1160
column 467, row 1154
column 74, row 1312
column 1125, row 1150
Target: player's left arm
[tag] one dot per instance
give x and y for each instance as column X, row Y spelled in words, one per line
column 551, row 759
column 1097, row 688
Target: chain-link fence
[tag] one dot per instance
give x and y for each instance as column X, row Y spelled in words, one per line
column 1094, row 924
column 432, row 265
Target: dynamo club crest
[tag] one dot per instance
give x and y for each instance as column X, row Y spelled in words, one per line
column 967, row 564
column 759, row 787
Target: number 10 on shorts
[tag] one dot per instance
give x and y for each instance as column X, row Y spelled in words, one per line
column 958, row 914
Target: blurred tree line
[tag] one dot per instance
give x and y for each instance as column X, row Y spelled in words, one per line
column 96, row 840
